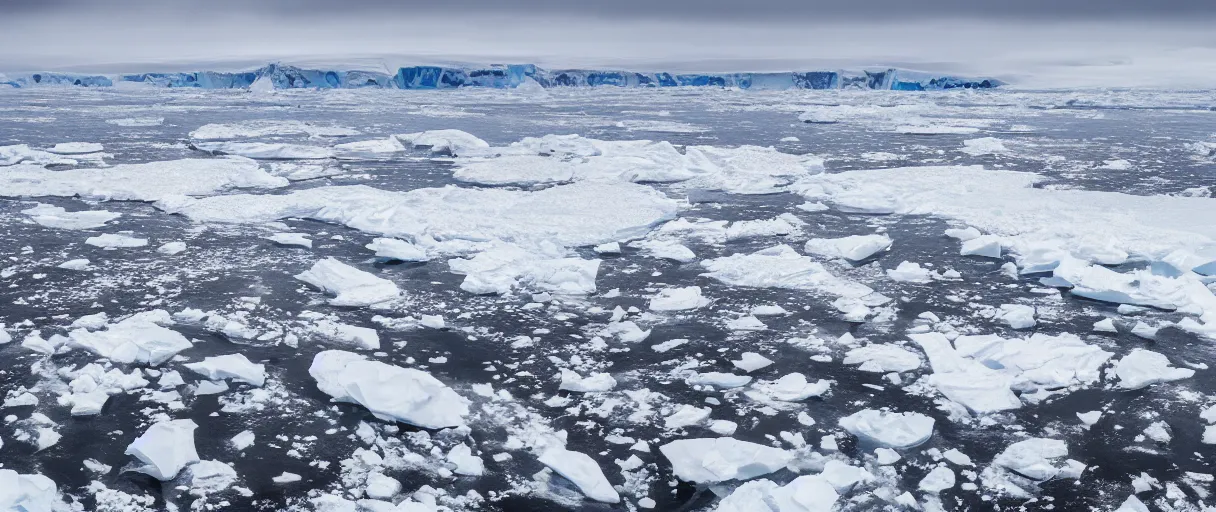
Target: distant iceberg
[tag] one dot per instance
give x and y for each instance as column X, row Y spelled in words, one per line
column 510, row 76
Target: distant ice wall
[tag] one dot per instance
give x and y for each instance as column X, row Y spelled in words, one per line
column 283, row 76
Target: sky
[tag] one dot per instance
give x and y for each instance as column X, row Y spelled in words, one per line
column 1061, row 43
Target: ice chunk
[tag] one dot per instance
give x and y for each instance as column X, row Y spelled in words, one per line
column 394, row 249
column 76, row 148
column 1040, row 365
column 390, row 392
column 286, row 478
column 685, row 416
column 746, row 323
column 1140, row 368
column 792, row 387
column 29, row 493
column 710, row 460
column 984, row 146
column 453, row 142
column 1132, row 504
column 266, row 151
column 137, row 339
column 781, row 267
column 852, row 248
column 938, row 480
column 1016, row 316
column 381, row 487
column 980, row 388
column 889, row 429
column 33, row 158
column 987, row 246
column 964, row 234
column 1105, row 325
column 350, row 335
column 300, row 239
column 769, row 310
column 608, row 248
column 593, row 383
column 77, row 264
column 882, row 358
column 678, row 299
column 150, row 181
column 266, row 128
column 583, row 471
column 515, row 170
column 165, row 448
column 1033, row 458
column 718, row 380
column 172, row 248
column 211, row 476
column 909, row 272
column 374, row 148
column 113, row 241
column 58, row 218
column 243, row 440
column 751, row 361
column 350, row 286
column 232, row 366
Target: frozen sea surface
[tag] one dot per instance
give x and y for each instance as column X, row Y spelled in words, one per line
column 494, row 349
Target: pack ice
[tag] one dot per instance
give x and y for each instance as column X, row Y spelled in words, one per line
column 139, row 182
column 390, row 392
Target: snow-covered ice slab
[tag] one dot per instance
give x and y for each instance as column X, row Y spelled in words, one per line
column 1039, row 365
column 1141, row 368
column 266, row 151
column 137, row 339
column 678, row 299
column 349, row 285
column 232, row 366
column 781, row 266
column 390, row 392
column 150, row 181
column 889, row 429
column 165, row 448
column 115, row 241
column 583, row 471
column 882, row 358
column 76, row 148
column 374, row 148
column 852, row 248
column 59, row 218
column 452, row 142
column 709, row 460
column 266, row 128
column 966, row 381
column 1007, row 204
column 23, row 154
column 29, row 493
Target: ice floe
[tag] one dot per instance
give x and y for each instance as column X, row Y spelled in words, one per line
column 232, row 366
column 349, row 285
column 583, row 471
column 1140, row 368
column 853, row 248
column 150, row 181
column 165, row 448
column 390, row 392
column 898, row 430
column 710, row 460
column 59, row 218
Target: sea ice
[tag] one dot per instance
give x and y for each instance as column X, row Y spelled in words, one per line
column 232, row 366
column 853, row 248
column 349, row 285
column 1016, row 316
column 394, row 249
column 115, row 241
column 374, row 148
column 150, row 181
column 345, row 334
column 266, row 128
column 710, row 460
column 165, row 448
column 882, row 358
column 300, row 239
column 452, row 142
column 909, row 272
column 583, row 471
column 58, row 218
column 889, row 429
column 593, row 383
column 29, row 493
column 984, row 146
column 781, row 266
column 136, row 339
column 266, row 151
column 966, row 381
column 1141, row 368
column 390, row 392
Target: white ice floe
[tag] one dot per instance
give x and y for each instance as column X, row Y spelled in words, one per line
column 882, row 358
column 394, row 249
column 115, row 241
column 781, row 266
column 984, row 146
column 666, row 249
column 210, row 477
column 781, row 225
column 934, row 129
column 852, row 248
column 593, row 383
column 583, row 471
column 266, row 128
column 514, row 170
column 979, row 388
column 889, row 429
column 390, row 392
column 1023, row 465
column 453, row 142
column 608, row 248
column 466, row 462
column 59, row 218
column 150, row 181
column 807, row 493
column 76, row 148
column 909, row 272
column 374, row 148
column 1039, row 365
column 710, row 460
column 987, row 246
column 746, row 323
column 299, row 239
column 1016, row 316
column 165, row 448
column 29, row 493
column 137, row 339
column 171, row 248
column 751, row 361
column 1141, row 368
column 346, row 334
column 349, row 285
column 718, row 380
column 678, row 299
column 76, row 264
column 686, row 416
column 232, row 366
column 501, row 267
column 266, row 151
column 33, row 158
column 792, row 387
column 132, row 122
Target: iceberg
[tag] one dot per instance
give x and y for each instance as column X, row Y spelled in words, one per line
column 29, row 493
column 390, row 392
column 165, row 448
column 583, row 471
column 349, row 285
column 711, row 460
column 894, row 430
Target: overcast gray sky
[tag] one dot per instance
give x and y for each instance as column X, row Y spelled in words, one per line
column 1138, row 40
